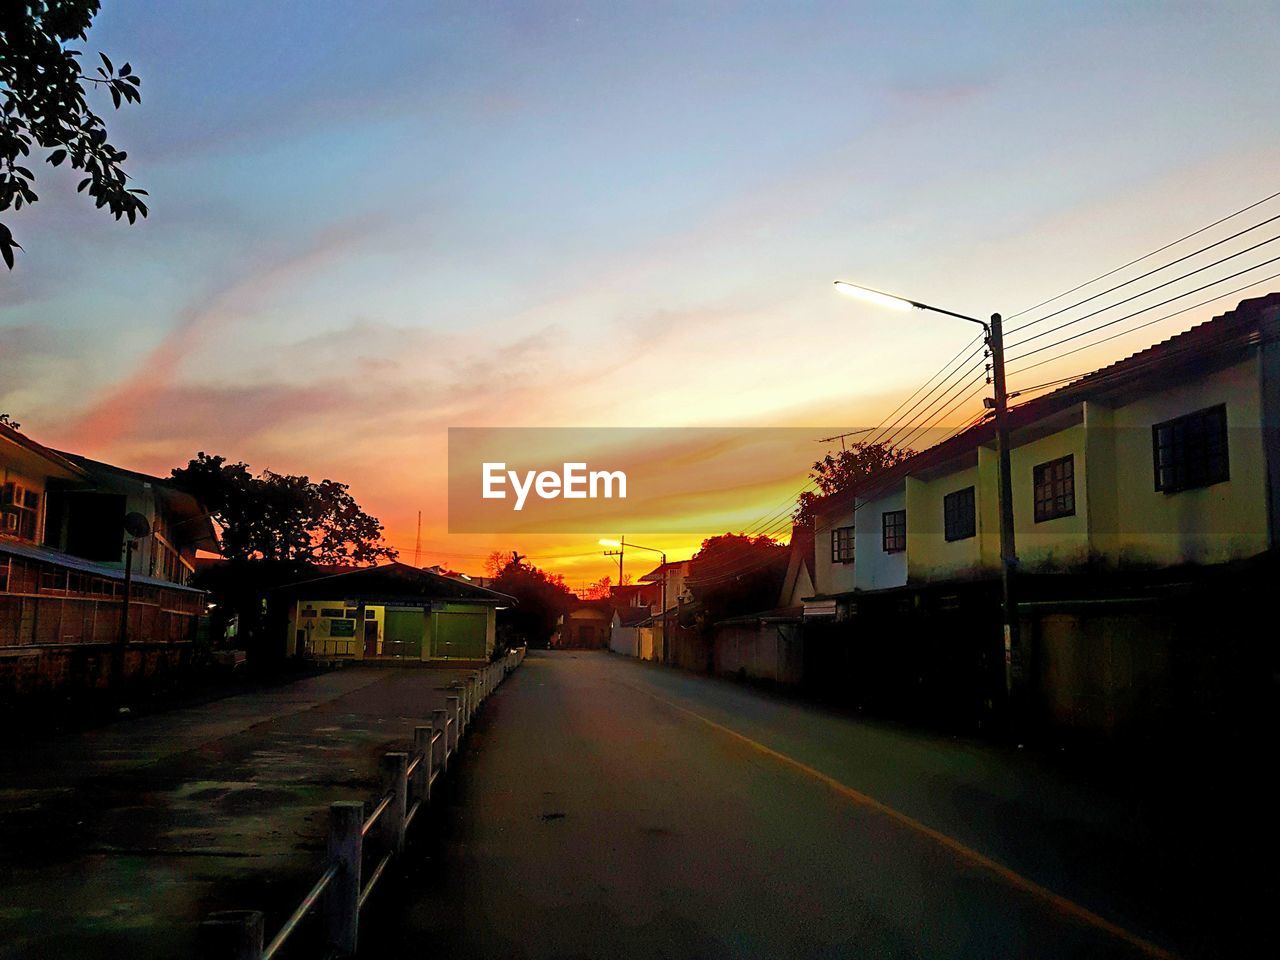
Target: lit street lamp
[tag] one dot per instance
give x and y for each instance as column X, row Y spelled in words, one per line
column 1008, row 550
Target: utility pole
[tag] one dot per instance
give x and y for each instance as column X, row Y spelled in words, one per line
column 1008, row 546
column 994, row 332
column 417, row 544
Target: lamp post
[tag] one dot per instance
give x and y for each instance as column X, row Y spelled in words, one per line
column 1008, row 549
column 622, row 544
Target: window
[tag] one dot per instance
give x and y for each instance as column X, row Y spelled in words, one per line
column 21, row 510
column 958, row 514
column 1191, row 451
column 842, row 545
column 1054, row 485
column 894, row 526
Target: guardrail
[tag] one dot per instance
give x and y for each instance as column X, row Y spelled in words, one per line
column 408, row 778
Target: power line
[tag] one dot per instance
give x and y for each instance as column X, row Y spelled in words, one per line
column 1159, row 286
column 1143, row 276
column 1145, row 256
column 1140, row 326
column 1136, row 313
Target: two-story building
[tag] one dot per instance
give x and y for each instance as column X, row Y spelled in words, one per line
column 1167, row 461
column 64, row 588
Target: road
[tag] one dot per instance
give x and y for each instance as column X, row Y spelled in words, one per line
column 116, row 842
column 624, row 810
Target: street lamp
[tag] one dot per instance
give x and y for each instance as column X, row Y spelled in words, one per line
column 1008, row 550
column 622, row 545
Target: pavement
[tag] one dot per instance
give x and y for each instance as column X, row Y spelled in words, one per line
column 116, row 842
column 624, row 810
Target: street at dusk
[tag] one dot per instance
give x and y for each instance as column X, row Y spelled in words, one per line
column 623, row 811
column 558, row 480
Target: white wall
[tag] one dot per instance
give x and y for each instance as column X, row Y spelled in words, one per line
column 876, row 569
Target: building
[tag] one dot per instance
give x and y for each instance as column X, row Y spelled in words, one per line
column 585, row 625
column 669, row 579
column 1155, row 469
column 63, row 582
column 390, row 612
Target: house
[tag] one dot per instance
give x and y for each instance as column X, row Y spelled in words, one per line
column 394, row 612
column 64, row 587
column 769, row 645
column 624, row 630
column 654, row 633
column 585, row 625
column 1154, row 469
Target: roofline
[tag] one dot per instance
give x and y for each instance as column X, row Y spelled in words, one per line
column 34, row 446
column 1130, row 369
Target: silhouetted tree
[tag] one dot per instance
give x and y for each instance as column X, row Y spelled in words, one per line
column 541, row 599
column 734, row 574
column 44, row 106
column 278, row 517
column 834, row 474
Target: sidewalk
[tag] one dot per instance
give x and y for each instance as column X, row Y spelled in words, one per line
column 118, row 841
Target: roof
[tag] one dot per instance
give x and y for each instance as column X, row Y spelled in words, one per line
column 46, row 453
column 30, row 551
column 631, row 616
column 669, row 565
column 1209, row 345
column 170, row 492
column 397, row 580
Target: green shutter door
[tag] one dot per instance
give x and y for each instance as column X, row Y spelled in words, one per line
column 403, row 632
column 460, row 635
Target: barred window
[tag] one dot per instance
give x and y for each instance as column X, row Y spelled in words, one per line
column 842, row 545
column 894, row 523
column 1054, row 485
column 1191, row 451
column 959, row 514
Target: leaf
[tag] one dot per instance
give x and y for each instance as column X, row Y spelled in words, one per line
column 84, row 183
column 57, row 157
column 107, row 61
column 126, row 70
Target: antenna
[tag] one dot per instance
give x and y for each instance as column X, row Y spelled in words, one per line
column 841, row 436
column 417, row 544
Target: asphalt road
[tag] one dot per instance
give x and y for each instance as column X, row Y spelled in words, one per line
column 617, row 809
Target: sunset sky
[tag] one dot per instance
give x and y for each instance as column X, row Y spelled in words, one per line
column 372, row 222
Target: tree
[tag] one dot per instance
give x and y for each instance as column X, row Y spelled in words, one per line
column 44, row 106
column 734, row 574
column 278, row 517
column 496, row 562
column 9, row 422
column 541, row 599
column 834, row 474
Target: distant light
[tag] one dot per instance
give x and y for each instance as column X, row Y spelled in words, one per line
column 609, row 543
column 873, row 296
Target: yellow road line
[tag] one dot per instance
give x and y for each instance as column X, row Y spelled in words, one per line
column 1011, row 877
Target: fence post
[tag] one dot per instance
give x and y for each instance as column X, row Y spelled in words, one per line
column 422, row 772
column 395, row 766
column 455, row 714
column 232, row 935
column 342, row 899
column 439, row 722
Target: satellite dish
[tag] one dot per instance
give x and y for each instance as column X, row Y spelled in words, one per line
column 136, row 525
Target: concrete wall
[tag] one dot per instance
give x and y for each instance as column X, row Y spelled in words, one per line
column 930, row 556
column 760, row 651
column 625, row 640
column 1225, row 521
column 1051, row 544
column 875, row 569
column 829, row 577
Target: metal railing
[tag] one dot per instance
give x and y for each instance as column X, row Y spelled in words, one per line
column 408, row 778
